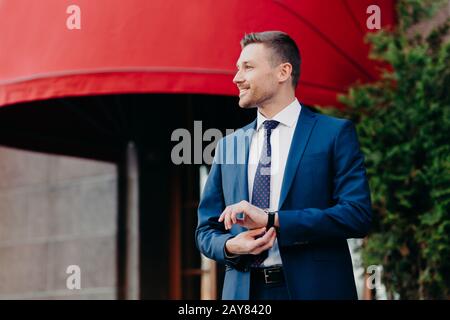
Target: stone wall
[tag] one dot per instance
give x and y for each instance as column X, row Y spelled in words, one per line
column 54, row 212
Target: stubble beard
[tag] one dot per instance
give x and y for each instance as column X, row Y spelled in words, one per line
column 249, row 102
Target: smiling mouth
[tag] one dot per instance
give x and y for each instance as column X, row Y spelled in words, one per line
column 242, row 92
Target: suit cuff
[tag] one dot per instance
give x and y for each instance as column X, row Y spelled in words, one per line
column 233, row 260
column 228, row 255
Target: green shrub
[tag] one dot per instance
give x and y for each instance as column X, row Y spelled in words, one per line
column 403, row 123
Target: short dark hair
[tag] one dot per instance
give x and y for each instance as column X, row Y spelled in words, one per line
column 283, row 46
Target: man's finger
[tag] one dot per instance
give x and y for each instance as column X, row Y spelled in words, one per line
column 225, row 213
column 256, row 232
column 272, row 239
column 264, row 239
column 258, row 242
column 234, row 212
column 227, row 221
column 238, row 208
column 222, row 215
column 265, row 246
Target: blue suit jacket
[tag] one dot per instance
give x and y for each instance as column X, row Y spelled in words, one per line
column 324, row 200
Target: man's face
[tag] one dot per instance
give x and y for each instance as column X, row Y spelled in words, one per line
column 256, row 77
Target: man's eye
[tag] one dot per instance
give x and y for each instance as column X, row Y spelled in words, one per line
column 248, row 67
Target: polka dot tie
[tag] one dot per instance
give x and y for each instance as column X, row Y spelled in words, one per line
column 261, row 184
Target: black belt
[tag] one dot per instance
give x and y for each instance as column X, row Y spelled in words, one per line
column 269, row 275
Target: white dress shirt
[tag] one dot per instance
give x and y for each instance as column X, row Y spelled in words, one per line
column 280, row 140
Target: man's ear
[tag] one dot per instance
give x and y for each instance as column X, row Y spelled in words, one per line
column 285, row 71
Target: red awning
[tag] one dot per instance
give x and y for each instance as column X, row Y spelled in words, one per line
column 175, row 46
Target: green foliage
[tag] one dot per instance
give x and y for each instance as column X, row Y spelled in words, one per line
column 403, row 123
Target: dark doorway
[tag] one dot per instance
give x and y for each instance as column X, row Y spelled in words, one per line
column 99, row 127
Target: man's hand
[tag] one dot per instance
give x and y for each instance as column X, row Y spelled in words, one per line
column 247, row 242
column 253, row 218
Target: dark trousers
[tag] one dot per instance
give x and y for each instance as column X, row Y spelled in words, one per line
column 259, row 290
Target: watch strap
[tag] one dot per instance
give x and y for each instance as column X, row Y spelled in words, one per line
column 270, row 219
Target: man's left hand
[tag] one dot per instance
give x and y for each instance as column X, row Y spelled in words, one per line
column 253, row 217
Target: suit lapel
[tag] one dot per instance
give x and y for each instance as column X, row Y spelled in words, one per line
column 303, row 129
column 242, row 174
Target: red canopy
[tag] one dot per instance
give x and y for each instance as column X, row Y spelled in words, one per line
column 174, row 46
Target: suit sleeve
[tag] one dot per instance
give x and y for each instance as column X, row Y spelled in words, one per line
column 351, row 216
column 210, row 234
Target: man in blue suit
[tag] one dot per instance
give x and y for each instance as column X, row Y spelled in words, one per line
column 286, row 191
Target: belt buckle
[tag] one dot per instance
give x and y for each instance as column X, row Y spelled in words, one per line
column 267, row 272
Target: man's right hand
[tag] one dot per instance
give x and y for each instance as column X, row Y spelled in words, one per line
column 251, row 241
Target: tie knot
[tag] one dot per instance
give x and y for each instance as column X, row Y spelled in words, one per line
column 270, row 124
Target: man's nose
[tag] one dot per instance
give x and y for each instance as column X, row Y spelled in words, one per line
column 237, row 78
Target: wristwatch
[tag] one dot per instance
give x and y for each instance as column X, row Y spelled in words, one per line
column 270, row 219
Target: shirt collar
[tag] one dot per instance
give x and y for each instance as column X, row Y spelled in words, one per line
column 288, row 116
